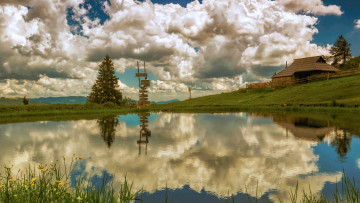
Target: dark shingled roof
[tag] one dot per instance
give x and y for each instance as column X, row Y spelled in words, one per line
column 306, row 64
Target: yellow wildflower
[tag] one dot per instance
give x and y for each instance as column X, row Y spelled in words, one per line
column 61, row 184
column 15, row 195
column 34, row 179
column 41, row 167
column 6, row 167
column 58, row 181
column 66, row 183
column 32, row 185
column 26, row 186
column 80, row 157
column 44, row 170
column 54, row 189
column 68, row 191
column 79, row 198
column 52, row 168
column 1, row 186
column 11, row 180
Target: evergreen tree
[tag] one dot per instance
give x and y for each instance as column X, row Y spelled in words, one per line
column 25, row 101
column 340, row 50
column 105, row 88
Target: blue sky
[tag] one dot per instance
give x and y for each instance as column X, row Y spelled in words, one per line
column 54, row 48
column 330, row 27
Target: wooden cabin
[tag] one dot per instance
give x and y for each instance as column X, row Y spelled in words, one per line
column 302, row 68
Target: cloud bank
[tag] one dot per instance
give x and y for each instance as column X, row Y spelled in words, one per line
column 199, row 46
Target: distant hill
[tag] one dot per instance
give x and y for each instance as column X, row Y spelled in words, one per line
column 166, row 102
column 61, row 100
column 17, row 101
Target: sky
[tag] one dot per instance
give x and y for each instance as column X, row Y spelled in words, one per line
column 53, row 48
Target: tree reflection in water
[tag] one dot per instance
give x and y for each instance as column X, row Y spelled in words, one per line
column 313, row 129
column 341, row 142
column 145, row 133
column 107, row 127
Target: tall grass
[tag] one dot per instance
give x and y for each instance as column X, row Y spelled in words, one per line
column 51, row 183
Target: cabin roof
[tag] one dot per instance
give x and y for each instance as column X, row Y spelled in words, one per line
column 306, row 64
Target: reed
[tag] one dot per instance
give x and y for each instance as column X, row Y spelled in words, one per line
column 52, row 183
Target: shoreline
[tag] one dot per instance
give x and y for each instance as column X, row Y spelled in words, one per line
column 61, row 112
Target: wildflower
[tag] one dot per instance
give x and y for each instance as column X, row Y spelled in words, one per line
column 54, row 189
column 11, row 180
column 26, row 186
column 79, row 198
column 1, row 186
column 80, row 158
column 15, row 195
column 66, row 183
column 67, row 191
column 61, row 184
column 41, row 167
column 52, row 168
column 58, row 181
column 44, row 170
column 6, row 167
column 34, row 179
column 32, row 185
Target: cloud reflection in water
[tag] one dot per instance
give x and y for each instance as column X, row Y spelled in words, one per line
column 220, row 153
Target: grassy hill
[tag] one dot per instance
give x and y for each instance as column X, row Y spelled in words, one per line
column 61, row 100
column 341, row 92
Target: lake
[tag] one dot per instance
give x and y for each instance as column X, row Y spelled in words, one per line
column 198, row 157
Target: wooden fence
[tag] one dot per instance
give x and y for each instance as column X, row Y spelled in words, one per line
column 314, row 78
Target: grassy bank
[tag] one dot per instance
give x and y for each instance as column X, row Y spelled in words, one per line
column 57, row 111
column 336, row 95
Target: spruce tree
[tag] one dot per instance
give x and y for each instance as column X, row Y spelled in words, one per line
column 105, row 88
column 340, row 50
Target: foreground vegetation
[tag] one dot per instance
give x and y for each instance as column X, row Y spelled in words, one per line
column 54, row 183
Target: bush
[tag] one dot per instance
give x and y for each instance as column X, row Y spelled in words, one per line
column 110, row 105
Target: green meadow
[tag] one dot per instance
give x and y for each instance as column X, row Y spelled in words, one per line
column 335, row 95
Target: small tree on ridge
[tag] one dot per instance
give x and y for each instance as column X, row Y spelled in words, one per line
column 25, row 101
column 340, row 50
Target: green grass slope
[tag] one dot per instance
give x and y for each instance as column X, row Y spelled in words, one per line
column 341, row 92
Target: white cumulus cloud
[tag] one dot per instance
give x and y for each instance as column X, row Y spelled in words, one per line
column 316, row 7
column 357, row 24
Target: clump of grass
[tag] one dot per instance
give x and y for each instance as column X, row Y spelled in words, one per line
column 52, row 183
column 350, row 192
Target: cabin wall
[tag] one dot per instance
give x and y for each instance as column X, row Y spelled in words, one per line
column 283, row 80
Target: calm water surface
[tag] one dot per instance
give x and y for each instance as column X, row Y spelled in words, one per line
column 200, row 157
